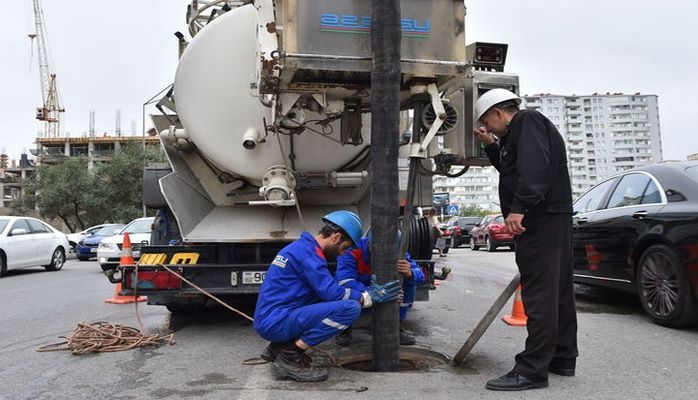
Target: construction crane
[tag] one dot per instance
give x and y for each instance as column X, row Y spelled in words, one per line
column 51, row 109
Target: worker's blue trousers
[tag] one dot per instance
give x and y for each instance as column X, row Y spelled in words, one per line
column 409, row 292
column 314, row 323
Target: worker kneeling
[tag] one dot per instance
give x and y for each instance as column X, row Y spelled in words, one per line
column 301, row 304
column 354, row 272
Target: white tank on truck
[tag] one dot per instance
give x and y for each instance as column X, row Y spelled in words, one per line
column 266, row 129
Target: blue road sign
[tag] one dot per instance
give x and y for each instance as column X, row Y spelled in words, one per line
column 453, row 209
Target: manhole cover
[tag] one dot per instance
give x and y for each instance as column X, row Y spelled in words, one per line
column 359, row 357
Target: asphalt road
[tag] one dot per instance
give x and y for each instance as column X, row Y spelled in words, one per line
column 622, row 354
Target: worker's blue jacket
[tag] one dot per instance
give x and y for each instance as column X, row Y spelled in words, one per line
column 299, row 277
column 354, row 272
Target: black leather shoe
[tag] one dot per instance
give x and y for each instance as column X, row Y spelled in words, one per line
column 562, row 367
column 561, row 371
column 513, row 381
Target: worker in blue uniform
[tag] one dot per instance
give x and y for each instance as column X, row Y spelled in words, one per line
column 301, row 304
column 354, row 271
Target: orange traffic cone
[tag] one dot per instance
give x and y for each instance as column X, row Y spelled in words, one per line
column 518, row 315
column 126, row 251
column 126, row 259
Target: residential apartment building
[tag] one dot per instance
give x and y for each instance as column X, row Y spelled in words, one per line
column 476, row 188
column 604, row 134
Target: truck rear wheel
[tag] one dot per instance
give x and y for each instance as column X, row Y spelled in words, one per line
column 185, row 307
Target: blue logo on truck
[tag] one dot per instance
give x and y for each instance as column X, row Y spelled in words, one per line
column 361, row 25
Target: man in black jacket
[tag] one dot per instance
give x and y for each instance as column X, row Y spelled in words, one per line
column 536, row 200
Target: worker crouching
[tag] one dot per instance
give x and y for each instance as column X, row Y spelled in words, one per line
column 301, row 304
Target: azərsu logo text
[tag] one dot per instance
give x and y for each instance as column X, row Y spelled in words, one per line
column 362, row 25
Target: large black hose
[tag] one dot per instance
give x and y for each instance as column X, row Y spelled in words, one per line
column 385, row 110
column 421, row 239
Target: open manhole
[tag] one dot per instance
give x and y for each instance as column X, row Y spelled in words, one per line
column 359, row 357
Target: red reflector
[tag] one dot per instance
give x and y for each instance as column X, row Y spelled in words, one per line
column 498, row 228
column 154, row 280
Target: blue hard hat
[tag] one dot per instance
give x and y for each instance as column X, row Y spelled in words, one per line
column 347, row 221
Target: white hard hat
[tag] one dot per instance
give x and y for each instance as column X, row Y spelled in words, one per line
column 492, row 97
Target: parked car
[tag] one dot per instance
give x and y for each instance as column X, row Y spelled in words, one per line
column 74, row 238
column 460, row 229
column 109, row 249
column 29, row 242
column 638, row 231
column 491, row 233
column 87, row 246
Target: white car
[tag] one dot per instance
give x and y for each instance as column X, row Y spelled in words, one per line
column 30, row 242
column 109, row 249
column 75, row 238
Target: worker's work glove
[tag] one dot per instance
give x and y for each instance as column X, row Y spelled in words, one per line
column 381, row 293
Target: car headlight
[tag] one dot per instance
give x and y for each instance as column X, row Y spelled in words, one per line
column 108, row 246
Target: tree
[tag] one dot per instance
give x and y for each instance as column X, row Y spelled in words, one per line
column 121, row 181
column 83, row 197
column 475, row 210
column 65, row 191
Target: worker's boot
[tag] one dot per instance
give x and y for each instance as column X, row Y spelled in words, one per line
column 406, row 338
column 272, row 350
column 344, row 338
column 293, row 363
column 445, row 272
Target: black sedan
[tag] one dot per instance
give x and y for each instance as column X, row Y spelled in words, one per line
column 638, row 231
column 460, row 229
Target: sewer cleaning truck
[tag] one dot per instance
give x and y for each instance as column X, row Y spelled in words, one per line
column 266, row 129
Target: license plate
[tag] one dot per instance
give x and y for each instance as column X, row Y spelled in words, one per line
column 253, row 277
column 136, row 254
column 93, row 250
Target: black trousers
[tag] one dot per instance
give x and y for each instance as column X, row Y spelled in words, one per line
column 544, row 258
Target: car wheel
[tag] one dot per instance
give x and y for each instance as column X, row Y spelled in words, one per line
column 473, row 245
column 490, row 244
column 663, row 287
column 3, row 265
column 57, row 260
column 106, row 267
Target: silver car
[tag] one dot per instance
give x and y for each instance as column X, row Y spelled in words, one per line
column 109, row 249
column 29, row 242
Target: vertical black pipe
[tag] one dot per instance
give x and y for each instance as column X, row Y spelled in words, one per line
column 385, row 109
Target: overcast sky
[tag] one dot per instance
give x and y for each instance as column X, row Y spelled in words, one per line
column 115, row 55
